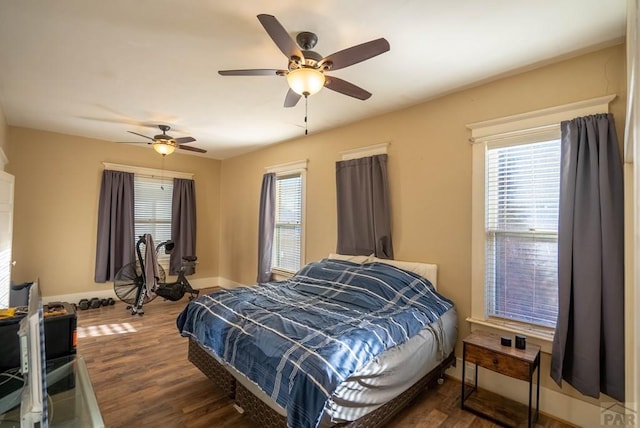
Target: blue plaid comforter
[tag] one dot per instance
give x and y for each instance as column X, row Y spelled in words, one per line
column 299, row 339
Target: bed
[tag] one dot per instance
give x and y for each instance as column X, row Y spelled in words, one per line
column 339, row 343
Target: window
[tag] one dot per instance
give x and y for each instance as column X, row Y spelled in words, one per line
column 521, row 221
column 153, row 194
column 287, row 238
column 514, row 222
column 288, row 235
column 152, row 209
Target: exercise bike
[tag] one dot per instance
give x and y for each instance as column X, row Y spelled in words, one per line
column 130, row 284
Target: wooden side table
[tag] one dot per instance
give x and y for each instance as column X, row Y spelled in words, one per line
column 484, row 350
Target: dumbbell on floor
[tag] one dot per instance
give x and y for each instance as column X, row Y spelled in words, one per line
column 95, row 303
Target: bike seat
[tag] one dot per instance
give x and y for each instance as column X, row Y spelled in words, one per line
column 189, row 258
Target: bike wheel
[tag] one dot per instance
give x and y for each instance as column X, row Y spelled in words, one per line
column 129, row 279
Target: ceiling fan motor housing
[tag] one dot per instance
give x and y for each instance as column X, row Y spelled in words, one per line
column 164, row 138
column 306, row 40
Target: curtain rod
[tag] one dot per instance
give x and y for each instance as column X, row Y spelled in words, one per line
column 365, row 151
column 511, row 134
column 148, row 172
column 373, row 147
column 537, row 120
column 288, row 166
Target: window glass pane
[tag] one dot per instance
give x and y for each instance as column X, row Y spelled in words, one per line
column 522, row 202
column 152, row 209
column 525, row 278
column 288, row 228
column 287, row 247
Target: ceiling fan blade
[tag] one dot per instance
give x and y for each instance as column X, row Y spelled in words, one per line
column 291, row 99
column 356, row 54
column 346, row 88
column 184, row 140
column 252, row 72
column 193, row 149
column 132, row 142
column 280, row 37
column 144, row 136
column 125, row 121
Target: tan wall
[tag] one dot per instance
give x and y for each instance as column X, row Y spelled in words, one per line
column 56, row 204
column 429, row 170
column 58, row 179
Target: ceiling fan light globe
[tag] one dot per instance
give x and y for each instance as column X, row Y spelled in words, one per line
column 164, row 147
column 305, row 81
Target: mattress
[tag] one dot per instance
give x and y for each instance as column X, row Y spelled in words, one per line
column 314, row 343
column 382, row 379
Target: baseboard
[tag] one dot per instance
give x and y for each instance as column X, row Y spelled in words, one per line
column 227, row 283
column 552, row 403
column 201, row 283
column 76, row 297
column 107, row 290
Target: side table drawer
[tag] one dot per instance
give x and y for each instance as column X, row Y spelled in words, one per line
column 498, row 362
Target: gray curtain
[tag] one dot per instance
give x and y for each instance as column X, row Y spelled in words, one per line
column 588, row 346
column 266, row 226
column 115, row 243
column 183, row 222
column 364, row 215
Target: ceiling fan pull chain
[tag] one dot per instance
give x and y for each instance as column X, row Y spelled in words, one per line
column 306, row 122
column 162, row 169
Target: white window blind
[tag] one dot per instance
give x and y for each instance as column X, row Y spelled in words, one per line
column 522, row 200
column 288, row 225
column 153, row 196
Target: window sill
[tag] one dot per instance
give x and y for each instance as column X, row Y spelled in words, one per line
column 539, row 335
column 281, row 274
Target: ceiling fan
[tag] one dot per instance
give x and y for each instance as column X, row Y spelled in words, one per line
column 165, row 144
column 306, row 69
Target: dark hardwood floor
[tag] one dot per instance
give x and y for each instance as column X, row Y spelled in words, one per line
column 141, row 377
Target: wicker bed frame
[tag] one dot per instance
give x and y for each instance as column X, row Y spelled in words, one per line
column 266, row 417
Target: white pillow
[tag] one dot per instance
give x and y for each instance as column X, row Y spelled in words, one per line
column 426, row 270
column 353, row 259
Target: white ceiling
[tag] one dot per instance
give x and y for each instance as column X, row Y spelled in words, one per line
column 99, row 68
